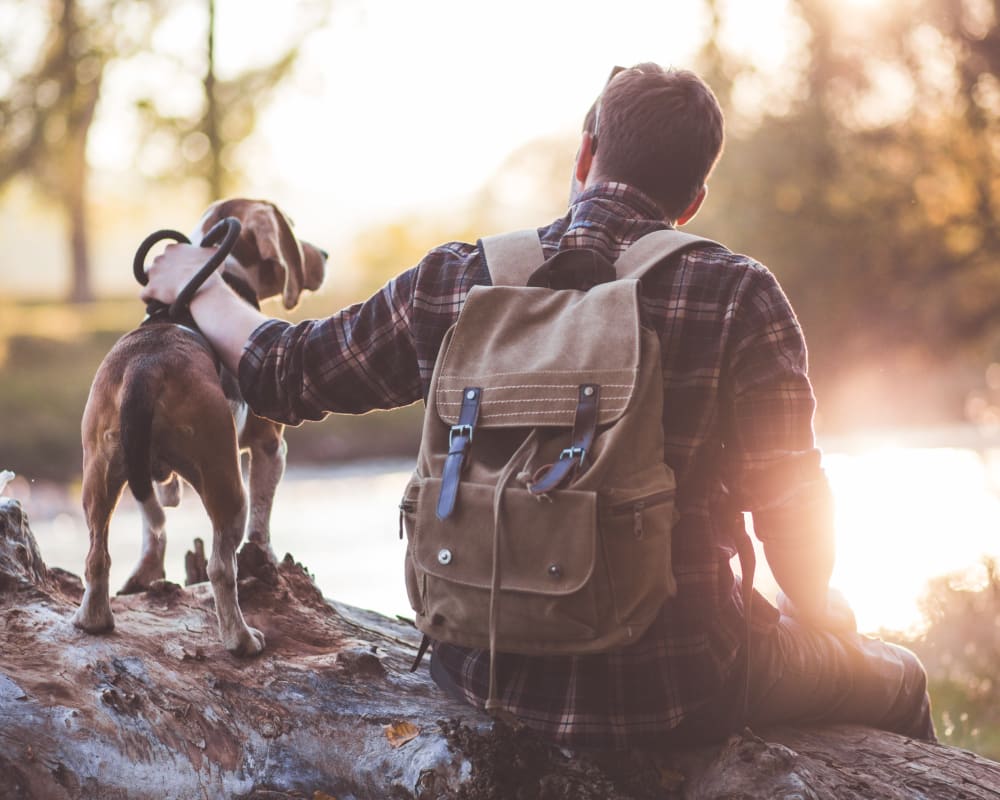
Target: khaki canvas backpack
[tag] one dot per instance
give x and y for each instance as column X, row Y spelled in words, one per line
column 540, row 511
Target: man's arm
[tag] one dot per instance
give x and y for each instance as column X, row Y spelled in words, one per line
column 774, row 469
column 356, row 360
column 223, row 317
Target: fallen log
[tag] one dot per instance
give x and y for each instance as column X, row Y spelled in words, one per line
column 158, row 709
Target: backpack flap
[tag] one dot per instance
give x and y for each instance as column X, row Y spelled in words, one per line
column 530, row 350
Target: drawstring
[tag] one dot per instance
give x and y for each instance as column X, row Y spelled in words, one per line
column 492, row 703
column 748, row 564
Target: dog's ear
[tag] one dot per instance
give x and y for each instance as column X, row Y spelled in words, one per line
column 282, row 266
column 274, row 260
column 313, row 266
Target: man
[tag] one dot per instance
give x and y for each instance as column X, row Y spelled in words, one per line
column 738, row 434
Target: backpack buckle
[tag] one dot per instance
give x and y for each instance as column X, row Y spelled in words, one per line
column 573, row 452
column 458, row 430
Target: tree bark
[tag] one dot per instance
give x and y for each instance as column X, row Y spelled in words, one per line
column 158, row 709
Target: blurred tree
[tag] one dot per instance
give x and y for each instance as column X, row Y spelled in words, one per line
column 204, row 141
column 53, row 61
column 872, row 190
column 51, row 95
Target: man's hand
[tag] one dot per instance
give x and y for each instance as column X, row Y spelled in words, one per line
column 173, row 269
column 837, row 617
column 221, row 315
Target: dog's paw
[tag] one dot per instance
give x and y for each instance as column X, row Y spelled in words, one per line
column 148, row 571
column 249, row 643
column 134, row 586
column 94, row 622
column 263, row 542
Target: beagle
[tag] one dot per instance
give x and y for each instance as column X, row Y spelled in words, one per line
column 161, row 407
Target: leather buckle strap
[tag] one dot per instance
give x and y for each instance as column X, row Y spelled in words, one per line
column 459, row 441
column 584, row 430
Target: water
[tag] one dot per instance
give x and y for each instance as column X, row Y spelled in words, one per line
column 904, row 515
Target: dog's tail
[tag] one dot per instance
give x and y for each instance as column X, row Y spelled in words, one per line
column 137, row 436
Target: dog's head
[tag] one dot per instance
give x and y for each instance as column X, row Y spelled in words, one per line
column 267, row 255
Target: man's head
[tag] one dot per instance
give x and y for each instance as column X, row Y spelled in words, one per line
column 660, row 130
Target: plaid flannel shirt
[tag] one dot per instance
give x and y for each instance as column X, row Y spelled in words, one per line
column 737, row 421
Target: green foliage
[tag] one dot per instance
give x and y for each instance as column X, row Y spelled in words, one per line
column 43, row 389
column 961, row 651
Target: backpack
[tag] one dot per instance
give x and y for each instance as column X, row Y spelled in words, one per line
column 540, row 511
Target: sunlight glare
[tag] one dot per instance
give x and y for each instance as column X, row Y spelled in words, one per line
column 903, row 517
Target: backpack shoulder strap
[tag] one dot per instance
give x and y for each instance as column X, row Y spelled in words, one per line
column 512, row 257
column 653, row 248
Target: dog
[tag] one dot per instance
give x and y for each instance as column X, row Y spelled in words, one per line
column 160, row 407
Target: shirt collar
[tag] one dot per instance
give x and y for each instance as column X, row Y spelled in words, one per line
column 616, row 198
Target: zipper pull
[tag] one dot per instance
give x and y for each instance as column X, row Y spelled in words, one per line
column 637, row 519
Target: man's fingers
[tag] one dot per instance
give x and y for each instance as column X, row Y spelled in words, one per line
column 171, row 270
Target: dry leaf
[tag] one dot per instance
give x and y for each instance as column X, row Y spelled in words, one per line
column 399, row 733
column 318, row 795
column 671, row 779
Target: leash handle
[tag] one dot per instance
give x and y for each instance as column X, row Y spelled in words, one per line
column 153, row 307
column 224, row 234
column 139, row 262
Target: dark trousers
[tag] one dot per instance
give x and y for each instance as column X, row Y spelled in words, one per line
column 799, row 674
column 803, row 675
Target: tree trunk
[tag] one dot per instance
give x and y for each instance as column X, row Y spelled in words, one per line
column 158, row 709
column 216, row 172
column 71, row 184
column 80, row 290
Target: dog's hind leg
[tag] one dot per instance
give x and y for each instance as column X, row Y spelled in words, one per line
column 229, row 522
column 101, row 491
column 225, row 500
column 169, row 491
column 154, row 546
column 267, row 466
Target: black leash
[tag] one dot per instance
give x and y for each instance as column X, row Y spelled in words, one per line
column 223, row 234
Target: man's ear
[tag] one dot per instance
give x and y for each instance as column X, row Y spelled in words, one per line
column 694, row 207
column 584, row 158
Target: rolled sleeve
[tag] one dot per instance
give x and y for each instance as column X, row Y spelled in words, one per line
column 357, row 360
column 771, row 441
column 775, row 467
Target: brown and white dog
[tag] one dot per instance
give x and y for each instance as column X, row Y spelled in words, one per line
column 160, row 407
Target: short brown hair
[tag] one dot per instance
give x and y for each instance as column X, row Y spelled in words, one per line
column 660, row 130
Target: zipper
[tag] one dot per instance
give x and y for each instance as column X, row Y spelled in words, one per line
column 640, row 505
column 407, row 506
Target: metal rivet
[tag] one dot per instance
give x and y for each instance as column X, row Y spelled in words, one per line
column 444, row 556
column 588, row 391
column 555, row 570
column 471, row 394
